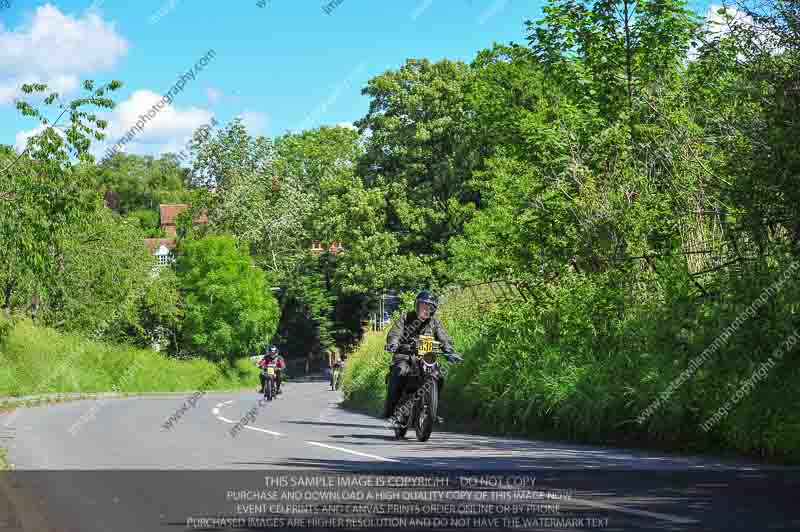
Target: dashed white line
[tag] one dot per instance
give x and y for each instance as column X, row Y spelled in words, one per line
column 599, row 505
column 357, row 453
column 215, row 411
column 264, row 430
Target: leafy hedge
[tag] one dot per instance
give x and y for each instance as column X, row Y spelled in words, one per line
column 569, row 365
column 36, row 360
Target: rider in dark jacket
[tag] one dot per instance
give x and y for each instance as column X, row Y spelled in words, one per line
column 408, row 328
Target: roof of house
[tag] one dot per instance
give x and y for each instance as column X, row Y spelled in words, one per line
column 154, row 243
column 169, row 212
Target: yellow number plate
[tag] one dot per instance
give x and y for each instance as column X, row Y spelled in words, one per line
column 426, row 344
column 270, row 371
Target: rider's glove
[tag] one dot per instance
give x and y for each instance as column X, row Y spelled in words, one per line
column 453, row 357
column 391, row 348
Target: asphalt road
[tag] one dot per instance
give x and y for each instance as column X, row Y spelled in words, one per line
column 112, row 465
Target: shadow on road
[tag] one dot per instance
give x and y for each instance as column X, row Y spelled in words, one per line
column 372, row 437
column 314, row 377
column 325, row 424
column 632, row 499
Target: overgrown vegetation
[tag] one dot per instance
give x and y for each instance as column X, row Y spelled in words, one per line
column 631, row 170
column 40, row 360
column 636, row 178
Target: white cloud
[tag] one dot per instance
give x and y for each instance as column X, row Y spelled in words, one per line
column 214, row 95
column 57, row 49
column 719, row 25
column 169, row 122
column 254, row 121
column 22, row 137
column 168, row 131
column 347, row 125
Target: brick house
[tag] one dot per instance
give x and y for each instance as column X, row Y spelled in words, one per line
column 163, row 249
column 334, row 248
column 169, row 214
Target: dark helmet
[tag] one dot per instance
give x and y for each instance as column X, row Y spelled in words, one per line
column 272, row 351
column 426, row 297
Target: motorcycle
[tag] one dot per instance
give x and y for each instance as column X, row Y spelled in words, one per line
column 270, row 381
column 419, row 403
column 336, row 376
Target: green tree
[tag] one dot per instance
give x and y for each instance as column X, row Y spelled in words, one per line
column 418, row 122
column 106, row 271
column 317, row 154
column 604, row 52
column 44, row 197
column 143, row 182
column 228, row 308
column 228, row 154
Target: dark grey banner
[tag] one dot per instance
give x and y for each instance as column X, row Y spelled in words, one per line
column 111, row 501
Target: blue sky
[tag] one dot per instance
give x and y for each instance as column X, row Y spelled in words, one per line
column 287, row 65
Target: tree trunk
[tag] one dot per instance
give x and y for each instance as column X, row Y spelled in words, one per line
column 7, row 292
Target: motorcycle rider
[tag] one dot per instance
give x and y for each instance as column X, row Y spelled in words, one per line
column 408, row 328
column 272, row 356
column 335, row 362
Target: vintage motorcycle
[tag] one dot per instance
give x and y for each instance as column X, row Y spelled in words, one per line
column 336, row 376
column 270, row 381
column 419, row 402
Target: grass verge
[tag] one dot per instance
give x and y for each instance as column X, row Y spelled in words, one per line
column 36, row 361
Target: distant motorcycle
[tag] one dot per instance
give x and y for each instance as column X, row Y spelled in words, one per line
column 419, row 403
column 270, row 381
column 336, row 376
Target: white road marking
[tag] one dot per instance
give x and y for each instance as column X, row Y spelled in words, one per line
column 264, row 430
column 632, row 511
column 215, row 411
column 599, row 505
column 342, row 449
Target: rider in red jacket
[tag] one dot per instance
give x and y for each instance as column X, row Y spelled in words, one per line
column 270, row 357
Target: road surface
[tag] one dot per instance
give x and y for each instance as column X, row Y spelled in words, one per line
column 112, row 465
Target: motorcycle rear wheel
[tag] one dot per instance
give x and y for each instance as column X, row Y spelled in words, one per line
column 401, row 428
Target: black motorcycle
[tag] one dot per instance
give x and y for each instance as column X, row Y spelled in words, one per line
column 419, row 402
column 270, row 381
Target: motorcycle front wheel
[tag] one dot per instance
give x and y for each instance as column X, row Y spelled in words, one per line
column 268, row 390
column 426, row 412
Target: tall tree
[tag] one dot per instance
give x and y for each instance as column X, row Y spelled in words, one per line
column 44, row 196
column 606, row 51
column 418, row 121
column 228, row 307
